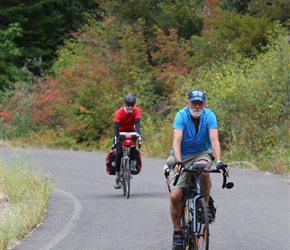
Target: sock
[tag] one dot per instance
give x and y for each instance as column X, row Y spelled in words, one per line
column 178, row 237
column 177, row 233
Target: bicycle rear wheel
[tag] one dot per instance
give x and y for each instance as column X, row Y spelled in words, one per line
column 200, row 240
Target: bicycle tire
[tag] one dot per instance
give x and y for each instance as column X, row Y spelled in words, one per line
column 200, row 239
column 186, row 221
column 123, row 180
column 128, row 177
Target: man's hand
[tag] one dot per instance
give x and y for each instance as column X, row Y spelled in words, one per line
column 223, row 168
column 178, row 167
column 114, row 148
column 139, row 137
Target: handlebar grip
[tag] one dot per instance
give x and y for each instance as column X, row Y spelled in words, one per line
column 224, row 181
column 176, row 179
column 180, row 167
column 225, row 175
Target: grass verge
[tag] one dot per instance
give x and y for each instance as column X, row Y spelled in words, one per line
column 24, row 197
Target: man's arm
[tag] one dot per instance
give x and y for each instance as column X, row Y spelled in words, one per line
column 215, row 143
column 177, row 137
column 116, row 132
column 137, row 125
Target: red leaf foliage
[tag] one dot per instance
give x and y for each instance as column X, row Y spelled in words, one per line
column 5, row 114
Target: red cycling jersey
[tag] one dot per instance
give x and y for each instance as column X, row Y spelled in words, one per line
column 127, row 120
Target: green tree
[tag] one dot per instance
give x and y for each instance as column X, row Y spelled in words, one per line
column 182, row 15
column 45, row 24
column 235, row 6
column 94, row 71
column 250, row 97
column 9, row 72
column 273, row 9
column 244, row 32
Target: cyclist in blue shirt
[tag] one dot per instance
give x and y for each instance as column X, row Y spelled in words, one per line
column 195, row 138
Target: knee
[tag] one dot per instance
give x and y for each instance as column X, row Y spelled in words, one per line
column 205, row 176
column 175, row 197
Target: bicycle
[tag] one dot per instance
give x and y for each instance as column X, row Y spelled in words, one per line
column 194, row 217
column 127, row 140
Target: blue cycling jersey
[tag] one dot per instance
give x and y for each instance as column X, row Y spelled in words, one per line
column 191, row 142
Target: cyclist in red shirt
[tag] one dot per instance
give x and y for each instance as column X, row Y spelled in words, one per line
column 126, row 119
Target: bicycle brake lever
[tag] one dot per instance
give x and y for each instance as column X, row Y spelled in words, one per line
column 225, row 173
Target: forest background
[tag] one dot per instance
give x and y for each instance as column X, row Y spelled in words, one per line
column 66, row 65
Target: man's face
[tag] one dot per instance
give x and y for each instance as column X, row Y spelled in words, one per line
column 195, row 108
column 129, row 107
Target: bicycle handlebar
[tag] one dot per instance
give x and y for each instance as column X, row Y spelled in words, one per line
column 199, row 167
column 130, row 136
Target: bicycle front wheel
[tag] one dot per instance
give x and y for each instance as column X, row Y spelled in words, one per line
column 200, row 239
column 186, row 220
column 127, row 175
column 123, row 177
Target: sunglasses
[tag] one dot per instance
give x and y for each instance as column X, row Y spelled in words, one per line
column 130, row 105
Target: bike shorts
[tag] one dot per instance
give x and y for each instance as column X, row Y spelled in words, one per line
column 184, row 178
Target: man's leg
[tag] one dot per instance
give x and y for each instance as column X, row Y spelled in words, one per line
column 175, row 212
column 205, row 180
column 205, row 184
column 175, row 208
column 118, row 163
column 133, row 159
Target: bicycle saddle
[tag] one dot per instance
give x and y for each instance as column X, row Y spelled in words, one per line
column 198, row 166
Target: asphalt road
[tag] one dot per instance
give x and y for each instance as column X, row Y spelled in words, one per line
column 86, row 213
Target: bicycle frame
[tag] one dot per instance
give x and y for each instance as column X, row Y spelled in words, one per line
column 197, row 196
column 196, row 232
column 127, row 140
